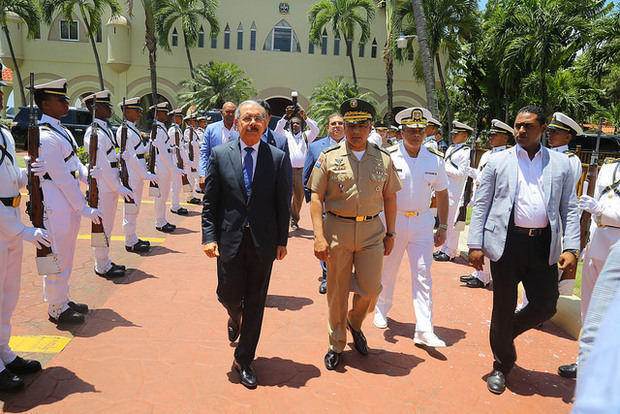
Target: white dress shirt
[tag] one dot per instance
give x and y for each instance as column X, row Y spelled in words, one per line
column 297, row 146
column 254, row 155
column 529, row 209
column 226, row 133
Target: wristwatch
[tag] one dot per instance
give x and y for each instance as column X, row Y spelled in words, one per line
column 392, row 235
column 443, row 226
column 575, row 252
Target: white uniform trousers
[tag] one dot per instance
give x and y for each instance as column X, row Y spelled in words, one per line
column 452, row 236
column 108, row 203
column 129, row 220
column 485, row 275
column 163, row 178
column 10, row 278
column 589, row 275
column 175, row 194
column 193, row 182
column 414, row 234
column 63, row 227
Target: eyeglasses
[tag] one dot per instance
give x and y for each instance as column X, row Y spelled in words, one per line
column 258, row 119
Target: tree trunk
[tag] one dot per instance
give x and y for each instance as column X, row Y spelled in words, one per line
column 444, row 90
column 350, row 54
column 94, row 46
column 427, row 59
column 543, row 89
column 189, row 56
column 150, row 43
column 16, row 74
column 389, row 83
column 506, row 107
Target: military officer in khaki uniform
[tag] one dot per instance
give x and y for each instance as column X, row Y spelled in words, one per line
column 356, row 181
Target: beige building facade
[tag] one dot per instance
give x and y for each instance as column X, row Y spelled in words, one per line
column 267, row 39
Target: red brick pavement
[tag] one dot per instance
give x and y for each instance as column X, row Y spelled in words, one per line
column 156, row 343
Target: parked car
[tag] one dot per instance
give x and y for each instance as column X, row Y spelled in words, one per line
column 77, row 120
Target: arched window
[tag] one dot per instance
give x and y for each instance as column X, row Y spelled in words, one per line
column 175, row 37
column 337, row 44
column 324, row 42
column 201, row 37
column 362, row 49
column 253, row 36
column 227, row 37
column 240, row 37
column 282, row 38
column 373, row 49
column 310, row 47
column 213, row 41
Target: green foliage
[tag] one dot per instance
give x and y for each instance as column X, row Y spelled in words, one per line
column 187, row 13
column 28, row 10
column 83, row 155
column 6, row 122
column 216, row 83
column 90, row 11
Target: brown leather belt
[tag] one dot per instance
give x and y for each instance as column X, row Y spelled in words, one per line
column 530, row 232
column 354, row 218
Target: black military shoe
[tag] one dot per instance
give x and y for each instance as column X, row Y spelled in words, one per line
column 114, row 272
column 359, row 340
column 122, row 267
column 442, row 257
column 332, row 359
column 195, row 201
column 568, row 371
column 148, row 243
column 181, row 211
column 323, row 287
column 466, row 278
column 24, row 366
column 78, row 307
column 496, row 383
column 10, row 382
column 166, row 228
column 246, row 375
column 475, row 283
column 68, row 316
column 139, row 247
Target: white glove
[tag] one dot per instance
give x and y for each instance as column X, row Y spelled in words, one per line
column 37, row 236
column 590, row 205
column 96, row 172
column 38, row 167
column 472, row 172
column 95, row 215
column 179, row 171
column 152, row 177
column 126, row 156
column 125, row 192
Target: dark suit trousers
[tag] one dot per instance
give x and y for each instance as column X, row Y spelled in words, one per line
column 242, row 285
column 525, row 259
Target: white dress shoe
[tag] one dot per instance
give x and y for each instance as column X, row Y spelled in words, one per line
column 428, row 339
column 380, row 321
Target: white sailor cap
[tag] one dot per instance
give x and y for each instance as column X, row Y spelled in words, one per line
column 189, row 116
column 565, row 123
column 435, row 122
column 202, row 118
column 161, row 107
column 131, row 103
column 56, row 87
column 102, row 97
column 460, row 127
column 176, row 112
column 498, row 127
column 412, row 117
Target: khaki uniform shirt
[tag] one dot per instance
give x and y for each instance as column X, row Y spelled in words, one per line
column 350, row 187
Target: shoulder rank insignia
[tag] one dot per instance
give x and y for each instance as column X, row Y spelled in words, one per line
column 434, row 151
column 383, row 150
column 611, row 160
column 570, row 153
column 335, row 147
column 392, row 149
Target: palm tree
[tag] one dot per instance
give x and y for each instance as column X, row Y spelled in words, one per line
column 344, row 16
column 389, row 62
column 188, row 13
column 28, row 11
column 90, row 12
column 214, row 84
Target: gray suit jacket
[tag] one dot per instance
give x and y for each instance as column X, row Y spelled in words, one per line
column 495, row 198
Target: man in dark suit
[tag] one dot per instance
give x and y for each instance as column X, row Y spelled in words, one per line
column 245, row 217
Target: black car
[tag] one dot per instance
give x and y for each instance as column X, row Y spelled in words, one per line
column 77, row 120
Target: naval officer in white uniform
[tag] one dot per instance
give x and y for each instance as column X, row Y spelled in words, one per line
column 562, row 129
column 176, row 120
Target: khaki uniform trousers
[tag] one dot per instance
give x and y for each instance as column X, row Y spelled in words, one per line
column 352, row 243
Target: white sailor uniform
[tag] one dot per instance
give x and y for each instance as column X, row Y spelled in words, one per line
column 165, row 170
column 575, row 162
column 177, row 186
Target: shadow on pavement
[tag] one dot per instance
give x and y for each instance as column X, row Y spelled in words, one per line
column 132, row 276
column 550, row 328
column 406, row 330
column 278, row 372
column 159, row 250
column 97, row 321
column 380, row 361
column 182, row 230
column 302, row 233
column 49, row 386
column 525, row 382
column 284, row 303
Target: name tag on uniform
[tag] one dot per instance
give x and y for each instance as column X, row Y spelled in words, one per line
column 430, row 173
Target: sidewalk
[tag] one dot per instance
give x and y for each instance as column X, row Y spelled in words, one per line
column 156, row 342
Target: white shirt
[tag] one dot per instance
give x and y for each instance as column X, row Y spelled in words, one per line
column 254, row 155
column 297, row 146
column 358, row 154
column 529, row 209
column 12, row 178
column 226, row 133
column 430, row 142
column 375, row 138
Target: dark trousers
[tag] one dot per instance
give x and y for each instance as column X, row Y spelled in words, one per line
column 242, row 285
column 525, row 259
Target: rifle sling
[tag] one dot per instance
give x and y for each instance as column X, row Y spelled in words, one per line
column 4, row 152
column 449, row 157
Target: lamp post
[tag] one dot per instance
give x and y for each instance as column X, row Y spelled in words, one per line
column 401, row 42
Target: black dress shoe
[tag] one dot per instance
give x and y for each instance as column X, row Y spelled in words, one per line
column 323, row 287
column 112, row 273
column 442, row 257
column 332, row 359
column 139, row 247
column 466, row 278
column 148, row 243
column 181, row 211
column 24, row 366
column 359, row 340
column 78, row 307
column 496, row 383
column 10, row 382
column 233, row 329
column 195, row 201
column 246, row 375
column 166, row 228
column 568, row 371
column 475, row 283
column 68, row 316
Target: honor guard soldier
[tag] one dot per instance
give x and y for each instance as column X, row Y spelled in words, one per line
column 202, row 124
column 499, row 134
column 63, row 200
column 134, row 153
column 604, row 233
column 562, row 129
column 165, row 167
column 355, row 181
column 431, row 131
column 109, row 186
column 458, row 169
column 12, row 234
column 421, row 170
column 176, row 120
column 190, row 138
column 382, row 128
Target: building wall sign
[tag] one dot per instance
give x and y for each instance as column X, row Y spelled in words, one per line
column 284, row 8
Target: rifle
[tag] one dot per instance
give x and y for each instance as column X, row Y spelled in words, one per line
column 98, row 237
column 186, row 187
column 191, row 147
column 153, row 187
column 589, row 186
column 469, row 186
column 130, row 204
column 47, row 261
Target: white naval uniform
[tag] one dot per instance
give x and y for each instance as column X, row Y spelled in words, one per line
column 419, row 177
column 165, row 170
column 177, row 186
column 430, row 142
column 192, row 167
column 137, row 172
column 63, row 203
column 108, row 187
column 604, row 232
column 457, row 160
column 12, row 178
column 575, row 162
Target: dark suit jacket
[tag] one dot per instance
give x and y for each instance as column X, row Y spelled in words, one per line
column 226, row 208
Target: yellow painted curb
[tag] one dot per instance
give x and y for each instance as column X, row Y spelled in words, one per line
column 122, row 238
column 41, row 344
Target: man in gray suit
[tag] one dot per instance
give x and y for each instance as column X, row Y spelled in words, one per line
column 525, row 201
